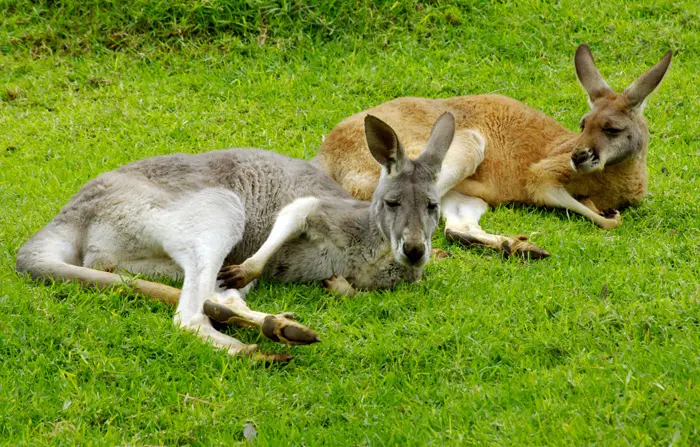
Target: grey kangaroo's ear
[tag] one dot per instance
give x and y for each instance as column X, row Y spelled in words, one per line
column 440, row 140
column 588, row 74
column 646, row 83
column 384, row 144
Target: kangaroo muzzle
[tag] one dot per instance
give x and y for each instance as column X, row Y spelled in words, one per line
column 414, row 251
column 413, row 248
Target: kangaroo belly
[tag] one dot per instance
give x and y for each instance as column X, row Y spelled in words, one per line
column 119, row 250
column 494, row 187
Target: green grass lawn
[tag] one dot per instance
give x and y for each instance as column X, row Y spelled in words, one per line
column 483, row 351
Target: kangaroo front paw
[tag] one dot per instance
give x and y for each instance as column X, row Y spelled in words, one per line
column 613, row 219
column 339, row 285
column 438, row 253
column 519, row 246
column 281, row 329
column 237, row 276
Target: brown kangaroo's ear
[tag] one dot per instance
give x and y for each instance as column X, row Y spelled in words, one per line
column 588, row 74
column 440, row 140
column 384, row 144
column 646, row 83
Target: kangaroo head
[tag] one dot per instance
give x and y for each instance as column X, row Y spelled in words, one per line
column 406, row 205
column 614, row 130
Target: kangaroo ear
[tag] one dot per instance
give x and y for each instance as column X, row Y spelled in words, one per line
column 440, row 140
column 646, row 83
column 384, row 144
column 588, row 74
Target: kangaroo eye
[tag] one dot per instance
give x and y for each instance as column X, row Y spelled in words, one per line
column 611, row 131
column 433, row 206
column 392, row 203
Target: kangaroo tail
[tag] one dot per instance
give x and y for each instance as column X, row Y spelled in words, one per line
column 52, row 255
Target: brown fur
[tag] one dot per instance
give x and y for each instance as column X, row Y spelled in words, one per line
column 528, row 155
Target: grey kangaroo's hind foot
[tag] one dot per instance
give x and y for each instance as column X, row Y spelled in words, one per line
column 280, row 328
column 284, row 330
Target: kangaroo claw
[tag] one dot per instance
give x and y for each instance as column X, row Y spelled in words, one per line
column 610, row 214
column 236, row 276
column 511, row 246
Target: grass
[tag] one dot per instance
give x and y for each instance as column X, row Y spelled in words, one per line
column 483, row 351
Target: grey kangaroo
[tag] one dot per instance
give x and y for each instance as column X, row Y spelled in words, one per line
column 258, row 213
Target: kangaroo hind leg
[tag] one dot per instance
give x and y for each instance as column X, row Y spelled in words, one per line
column 198, row 232
column 229, row 307
column 462, row 159
column 462, row 214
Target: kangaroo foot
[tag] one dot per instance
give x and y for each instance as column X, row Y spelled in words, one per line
column 280, row 328
column 284, row 330
column 519, row 246
column 236, row 276
column 465, row 239
column 223, row 314
column 339, row 285
column 438, row 253
column 509, row 246
column 613, row 219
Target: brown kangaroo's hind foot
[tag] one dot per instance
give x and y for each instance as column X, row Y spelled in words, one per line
column 508, row 245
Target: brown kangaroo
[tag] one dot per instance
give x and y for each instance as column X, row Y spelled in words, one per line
column 528, row 156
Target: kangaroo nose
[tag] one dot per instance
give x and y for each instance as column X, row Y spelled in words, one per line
column 414, row 251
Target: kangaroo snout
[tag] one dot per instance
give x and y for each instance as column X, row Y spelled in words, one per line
column 414, row 251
